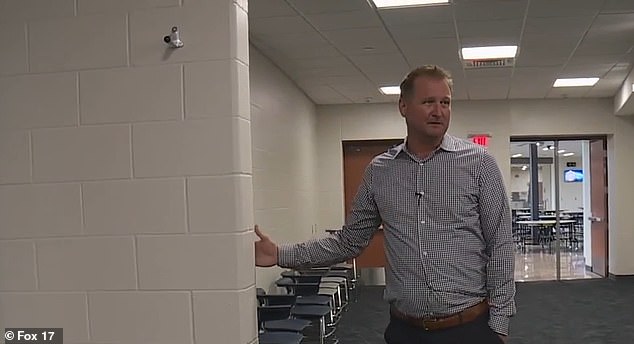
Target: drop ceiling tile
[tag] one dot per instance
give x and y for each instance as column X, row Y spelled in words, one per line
column 621, row 24
column 328, row 6
column 488, row 88
column 414, row 16
column 501, row 72
column 271, row 26
column 563, row 8
column 490, row 10
column 354, row 41
column 269, row 8
column 333, row 80
column 383, row 69
column 359, row 92
column 583, row 71
column 533, row 90
column 438, row 51
column 600, row 93
column 298, row 50
column 345, row 20
column 619, row 71
column 572, row 26
column 568, row 92
column 405, row 35
column 580, row 60
column 491, row 28
column 610, row 34
column 325, row 95
column 532, row 82
column 545, row 50
column 618, row 6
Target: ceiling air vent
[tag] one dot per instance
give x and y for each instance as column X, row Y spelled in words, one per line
column 489, row 63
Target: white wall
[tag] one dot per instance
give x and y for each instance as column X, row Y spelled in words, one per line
column 501, row 119
column 125, row 171
column 570, row 194
column 520, row 180
column 284, row 158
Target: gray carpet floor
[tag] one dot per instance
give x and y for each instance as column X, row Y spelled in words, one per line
column 585, row 311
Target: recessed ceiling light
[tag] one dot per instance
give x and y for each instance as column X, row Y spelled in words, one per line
column 390, row 90
column 569, row 154
column 561, row 151
column 406, row 3
column 524, row 168
column 575, row 82
column 493, row 52
column 516, row 155
column 545, row 148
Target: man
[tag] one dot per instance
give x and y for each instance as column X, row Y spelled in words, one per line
column 446, row 218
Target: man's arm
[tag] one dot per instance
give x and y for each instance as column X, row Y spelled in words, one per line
column 347, row 243
column 495, row 219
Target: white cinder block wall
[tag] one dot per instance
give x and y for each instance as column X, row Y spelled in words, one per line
column 501, row 119
column 125, row 171
column 284, row 158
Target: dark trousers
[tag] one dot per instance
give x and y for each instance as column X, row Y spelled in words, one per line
column 475, row 332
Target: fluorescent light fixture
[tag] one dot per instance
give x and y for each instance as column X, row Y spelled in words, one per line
column 569, row 154
column 545, row 148
column 390, row 90
column 575, row 82
column 516, row 155
column 406, row 3
column 632, row 88
column 493, row 52
column 561, row 151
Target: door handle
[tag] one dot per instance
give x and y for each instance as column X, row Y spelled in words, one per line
column 594, row 219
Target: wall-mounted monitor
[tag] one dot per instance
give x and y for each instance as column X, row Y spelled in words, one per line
column 573, row 175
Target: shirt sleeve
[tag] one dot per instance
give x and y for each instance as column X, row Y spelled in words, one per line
column 347, row 243
column 495, row 219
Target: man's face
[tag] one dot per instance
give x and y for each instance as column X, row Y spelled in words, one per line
column 428, row 109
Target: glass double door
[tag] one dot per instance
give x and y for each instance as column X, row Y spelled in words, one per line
column 553, row 210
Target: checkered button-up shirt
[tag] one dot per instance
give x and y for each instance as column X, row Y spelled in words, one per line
column 447, row 227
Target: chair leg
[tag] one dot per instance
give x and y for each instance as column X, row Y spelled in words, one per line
column 322, row 330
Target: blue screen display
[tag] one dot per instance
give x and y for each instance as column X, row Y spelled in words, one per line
column 573, row 175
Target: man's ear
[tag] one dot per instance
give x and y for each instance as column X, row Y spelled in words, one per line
column 402, row 106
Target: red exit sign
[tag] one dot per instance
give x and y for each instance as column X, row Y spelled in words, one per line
column 482, row 140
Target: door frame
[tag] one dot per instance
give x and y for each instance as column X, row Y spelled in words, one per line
column 590, row 138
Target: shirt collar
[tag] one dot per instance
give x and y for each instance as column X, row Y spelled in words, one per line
column 449, row 143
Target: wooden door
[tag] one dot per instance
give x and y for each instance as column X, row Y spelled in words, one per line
column 356, row 156
column 599, row 207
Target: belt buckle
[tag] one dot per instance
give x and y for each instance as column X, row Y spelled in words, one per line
column 428, row 320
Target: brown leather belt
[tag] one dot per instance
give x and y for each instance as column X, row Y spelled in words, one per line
column 430, row 324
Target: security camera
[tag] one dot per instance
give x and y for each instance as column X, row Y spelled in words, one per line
column 174, row 39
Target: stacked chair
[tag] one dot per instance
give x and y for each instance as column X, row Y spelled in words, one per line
column 311, row 307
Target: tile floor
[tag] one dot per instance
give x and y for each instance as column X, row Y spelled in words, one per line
column 537, row 264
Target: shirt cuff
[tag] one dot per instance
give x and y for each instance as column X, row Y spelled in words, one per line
column 286, row 256
column 499, row 324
